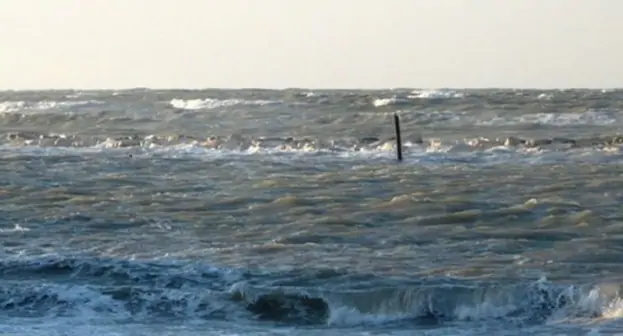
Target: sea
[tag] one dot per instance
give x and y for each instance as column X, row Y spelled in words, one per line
column 287, row 212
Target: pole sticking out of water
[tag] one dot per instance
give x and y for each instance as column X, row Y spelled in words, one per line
column 398, row 140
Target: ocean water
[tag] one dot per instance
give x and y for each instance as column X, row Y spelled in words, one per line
column 265, row 212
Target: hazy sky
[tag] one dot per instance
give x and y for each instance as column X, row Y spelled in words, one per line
column 310, row 43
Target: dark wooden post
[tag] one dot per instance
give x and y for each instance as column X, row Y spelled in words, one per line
column 398, row 139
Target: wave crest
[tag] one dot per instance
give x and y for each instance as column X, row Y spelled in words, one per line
column 147, row 290
column 210, row 103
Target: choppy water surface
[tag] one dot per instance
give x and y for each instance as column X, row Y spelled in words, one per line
column 261, row 212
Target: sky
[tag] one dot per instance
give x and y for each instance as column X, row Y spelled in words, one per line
column 112, row 44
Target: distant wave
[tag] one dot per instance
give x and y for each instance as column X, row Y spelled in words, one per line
column 209, row 103
column 436, row 94
column 24, row 106
column 418, row 94
column 591, row 117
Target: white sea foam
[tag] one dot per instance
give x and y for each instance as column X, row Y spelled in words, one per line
column 16, row 228
column 310, row 94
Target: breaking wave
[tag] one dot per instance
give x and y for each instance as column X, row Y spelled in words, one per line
column 134, row 290
column 305, row 144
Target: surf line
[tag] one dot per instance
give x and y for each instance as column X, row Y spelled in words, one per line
column 398, row 140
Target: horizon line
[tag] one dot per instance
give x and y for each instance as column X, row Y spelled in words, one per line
column 157, row 88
